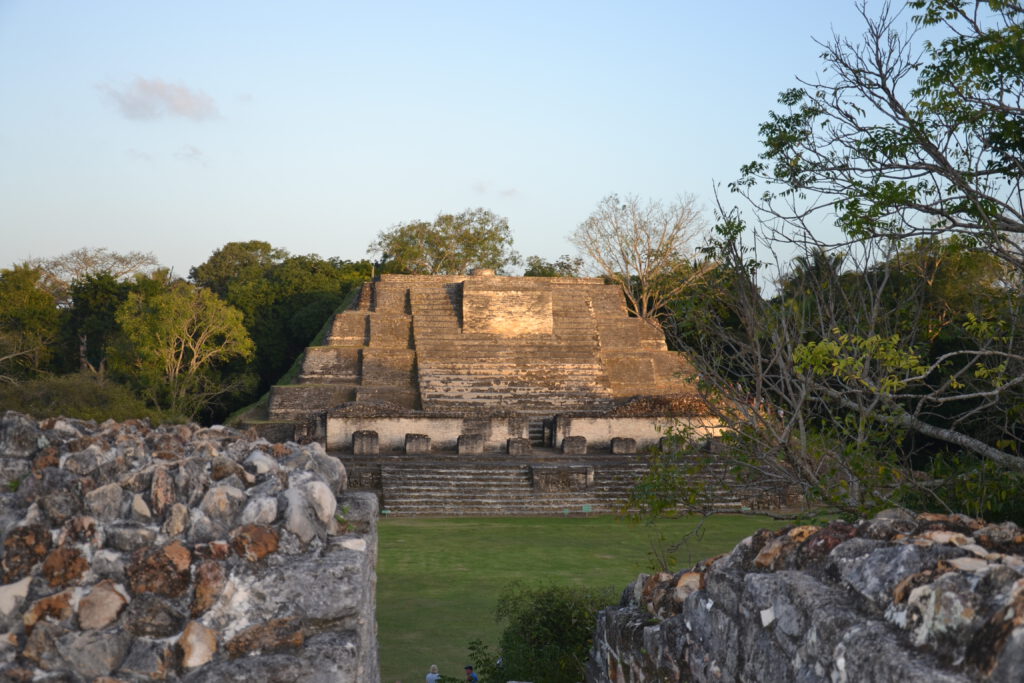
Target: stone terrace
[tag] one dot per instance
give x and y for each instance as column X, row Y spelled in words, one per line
column 448, row 344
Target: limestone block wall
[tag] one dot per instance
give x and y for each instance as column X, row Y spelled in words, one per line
column 647, row 431
column 901, row 597
column 132, row 552
column 444, row 432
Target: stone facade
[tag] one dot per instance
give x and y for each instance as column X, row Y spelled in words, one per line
column 180, row 553
column 513, row 350
column 901, row 597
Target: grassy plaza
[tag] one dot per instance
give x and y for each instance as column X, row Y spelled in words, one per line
column 438, row 578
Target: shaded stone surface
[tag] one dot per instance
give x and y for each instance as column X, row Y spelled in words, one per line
column 126, row 557
column 63, row 566
column 100, row 606
column 898, row 597
column 23, row 548
column 163, row 570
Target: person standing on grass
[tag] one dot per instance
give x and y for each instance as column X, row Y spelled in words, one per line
column 471, row 675
column 433, row 676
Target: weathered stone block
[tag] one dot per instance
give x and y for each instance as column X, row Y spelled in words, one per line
column 471, row 444
column 574, row 445
column 519, row 447
column 623, row 446
column 365, row 442
column 417, row 443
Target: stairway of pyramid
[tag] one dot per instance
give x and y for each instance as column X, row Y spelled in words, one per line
column 456, row 344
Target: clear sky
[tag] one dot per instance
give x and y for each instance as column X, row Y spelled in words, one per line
column 175, row 127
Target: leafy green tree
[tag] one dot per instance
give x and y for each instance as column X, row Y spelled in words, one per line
column 284, row 299
column 453, row 244
column 175, row 344
column 901, row 145
column 29, row 323
column 89, row 323
column 895, row 346
column 548, row 633
column 564, row 266
column 235, row 271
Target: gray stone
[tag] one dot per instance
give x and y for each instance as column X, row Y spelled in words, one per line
column 107, row 564
column 149, row 660
column 331, row 469
column 623, row 446
column 471, row 444
column 416, row 444
column 260, row 510
column 151, row 616
column 20, row 436
column 325, row 658
column 519, row 447
column 574, row 445
column 222, row 504
column 261, row 463
column 365, row 442
column 105, row 503
column 94, row 653
column 874, row 571
column 128, row 539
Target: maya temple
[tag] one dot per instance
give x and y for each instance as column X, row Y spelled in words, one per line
column 487, row 394
column 472, row 362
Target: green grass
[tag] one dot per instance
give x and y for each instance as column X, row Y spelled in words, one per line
column 438, row 579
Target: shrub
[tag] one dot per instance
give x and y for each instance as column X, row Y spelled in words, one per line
column 548, row 633
column 81, row 395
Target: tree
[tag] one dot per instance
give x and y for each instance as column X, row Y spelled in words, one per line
column 90, row 322
column 236, row 264
column 898, row 145
column 60, row 272
column 564, row 266
column 547, row 635
column 284, row 298
column 894, row 348
column 175, row 343
column 646, row 248
column 453, row 244
column 29, row 322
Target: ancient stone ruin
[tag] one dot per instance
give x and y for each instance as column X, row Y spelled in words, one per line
column 901, row 597
column 485, row 363
column 133, row 552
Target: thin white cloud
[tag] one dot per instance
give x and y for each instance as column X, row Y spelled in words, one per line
column 481, row 187
column 191, row 153
column 153, row 98
column 139, row 155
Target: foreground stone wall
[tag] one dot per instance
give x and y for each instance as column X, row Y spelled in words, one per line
column 180, row 553
column 898, row 598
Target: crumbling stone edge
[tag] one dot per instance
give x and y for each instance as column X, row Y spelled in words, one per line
column 133, row 552
column 922, row 597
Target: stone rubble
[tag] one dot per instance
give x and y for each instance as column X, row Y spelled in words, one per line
column 132, row 552
column 923, row 597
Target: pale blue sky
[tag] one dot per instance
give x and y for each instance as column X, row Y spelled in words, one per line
column 175, row 127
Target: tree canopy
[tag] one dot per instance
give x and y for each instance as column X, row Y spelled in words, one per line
column 175, row 343
column 881, row 365
column 453, row 244
column 284, row 298
column 59, row 273
column 647, row 247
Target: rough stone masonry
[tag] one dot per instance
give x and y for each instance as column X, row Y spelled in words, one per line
column 901, row 597
column 133, row 552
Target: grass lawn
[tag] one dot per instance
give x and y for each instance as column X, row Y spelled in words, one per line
column 438, row 579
